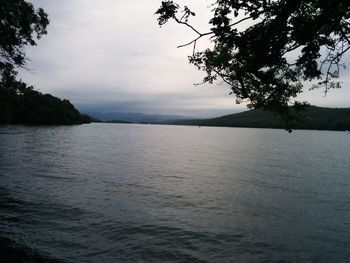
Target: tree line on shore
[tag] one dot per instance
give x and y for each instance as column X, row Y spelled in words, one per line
column 21, row 104
column 311, row 118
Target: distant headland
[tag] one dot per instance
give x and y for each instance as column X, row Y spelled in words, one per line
column 312, row 118
column 24, row 105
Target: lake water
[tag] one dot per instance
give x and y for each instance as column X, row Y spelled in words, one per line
column 147, row 193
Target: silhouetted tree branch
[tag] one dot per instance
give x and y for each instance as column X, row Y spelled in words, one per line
column 266, row 61
column 20, row 25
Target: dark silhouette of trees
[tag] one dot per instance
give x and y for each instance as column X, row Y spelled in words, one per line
column 24, row 105
column 20, row 25
column 265, row 49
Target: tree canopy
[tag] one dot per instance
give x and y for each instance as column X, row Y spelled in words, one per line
column 20, row 25
column 265, row 49
column 20, row 104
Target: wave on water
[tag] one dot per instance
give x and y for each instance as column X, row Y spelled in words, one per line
column 133, row 193
column 12, row 252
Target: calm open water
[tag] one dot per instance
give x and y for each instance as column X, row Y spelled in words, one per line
column 143, row 193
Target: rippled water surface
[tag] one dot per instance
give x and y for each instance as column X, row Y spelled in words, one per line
column 143, row 193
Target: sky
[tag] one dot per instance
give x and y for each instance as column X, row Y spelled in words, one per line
column 112, row 56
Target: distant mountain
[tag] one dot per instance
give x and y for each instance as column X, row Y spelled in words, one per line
column 313, row 118
column 134, row 117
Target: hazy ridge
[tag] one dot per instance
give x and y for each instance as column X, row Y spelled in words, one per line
column 313, row 118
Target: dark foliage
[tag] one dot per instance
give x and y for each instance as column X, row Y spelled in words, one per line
column 22, row 104
column 20, row 25
column 265, row 49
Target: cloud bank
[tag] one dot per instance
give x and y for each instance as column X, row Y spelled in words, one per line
column 112, row 56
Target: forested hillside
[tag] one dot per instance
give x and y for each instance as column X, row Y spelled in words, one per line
column 311, row 118
column 24, row 105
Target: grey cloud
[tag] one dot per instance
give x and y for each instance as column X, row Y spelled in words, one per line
column 112, row 55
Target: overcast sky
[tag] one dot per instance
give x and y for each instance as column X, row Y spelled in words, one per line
column 111, row 55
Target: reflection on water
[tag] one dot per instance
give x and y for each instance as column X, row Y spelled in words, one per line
column 130, row 193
